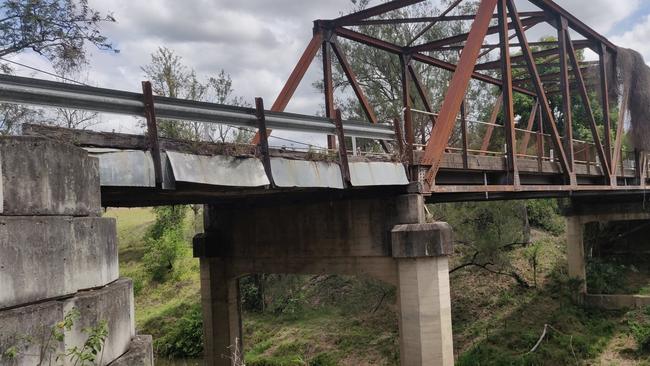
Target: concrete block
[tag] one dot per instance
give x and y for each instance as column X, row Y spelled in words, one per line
column 43, row 177
column 422, row 240
column 28, row 328
column 140, row 353
column 114, row 304
column 44, row 257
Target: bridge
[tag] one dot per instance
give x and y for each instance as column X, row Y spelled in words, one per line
column 349, row 211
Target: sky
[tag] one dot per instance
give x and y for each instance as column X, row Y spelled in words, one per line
column 259, row 41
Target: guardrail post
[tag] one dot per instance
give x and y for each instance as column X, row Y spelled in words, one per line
column 152, row 132
column 343, row 153
column 263, row 144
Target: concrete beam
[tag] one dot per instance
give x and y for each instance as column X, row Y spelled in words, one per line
column 45, row 257
column 422, row 240
column 29, row 327
column 43, row 177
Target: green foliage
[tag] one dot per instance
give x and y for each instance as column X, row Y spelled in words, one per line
column 165, row 242
column 605, row 277
column 545, row 214
column 184, row 337
column 532, row 254
column 251, row 289
column 641, row 333
column 88, row 353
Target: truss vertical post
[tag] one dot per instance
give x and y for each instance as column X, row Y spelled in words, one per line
column 541, row 94
column 508, row 108
column 604, row 90
column 328, row 87
column 399, row 138
column 582, row 89
column 565, row 86
column 152, row 132
column 457, row 87
column 343, row 152
column 493, row 120
column 423, row 94
column 463, row 121
column 409, row 133
column 540, row 139
column 264, row 140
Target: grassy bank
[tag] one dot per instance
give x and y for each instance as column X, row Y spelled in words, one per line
column 335, row 320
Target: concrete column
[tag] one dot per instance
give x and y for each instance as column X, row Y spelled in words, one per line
column 221, row 313
column 576, row 251
column 421, row 252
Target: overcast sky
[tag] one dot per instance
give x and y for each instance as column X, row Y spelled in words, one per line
column 258, row 41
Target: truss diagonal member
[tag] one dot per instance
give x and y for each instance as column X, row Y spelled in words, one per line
column 295, row 78
column 352, row 78
column 582, row 88
column 432, row 46
column 432, row 61
column 539, row 88
column 373, row 11
column 430, row 25
column 508, row 108
column 490, row 127
column 456, row 92
column 419, row 86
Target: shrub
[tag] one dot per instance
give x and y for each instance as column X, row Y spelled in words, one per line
column 183, row 338
column 545, row 214
column 641, row 333
column 605, row 278
column 162, row 254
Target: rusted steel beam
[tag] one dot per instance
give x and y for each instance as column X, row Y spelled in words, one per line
column 539, row 88
column 575, row 23
column 540, row 137
column 457, row 87
column 295, row 78
column 352, row 79
column 399, row 138
column 475, row 75
column 343, row 152
column 423, row 94
column 582, row 43
column 508, row 107
column 463, row 129
column 434, row 22
column 493, row 120
column 618, row 144
column 398, row 50
column 520, row 58
column 328, row 88
column 566, row 92
column 604, row 90
column 430, row 46
column 448, row 18
column 409, row 132
column 529, row 128
column 152, row 132
column 582, row 88
column 372, row 11
column 263, row 145
column 297, row 74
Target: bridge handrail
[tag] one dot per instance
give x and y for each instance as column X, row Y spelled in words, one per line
column 23, row 90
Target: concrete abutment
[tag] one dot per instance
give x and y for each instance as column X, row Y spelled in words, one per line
column 384, row 238
column 58, row 257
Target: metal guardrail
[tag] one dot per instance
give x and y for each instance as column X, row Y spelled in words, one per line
column 22, row 90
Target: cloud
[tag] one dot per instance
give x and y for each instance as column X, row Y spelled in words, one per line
column 636, row 38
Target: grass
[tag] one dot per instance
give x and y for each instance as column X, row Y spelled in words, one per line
column 331, row 322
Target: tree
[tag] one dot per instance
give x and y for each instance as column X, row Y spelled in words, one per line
column 170, row 77
column 55, row 29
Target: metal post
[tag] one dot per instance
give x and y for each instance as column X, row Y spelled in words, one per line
column 343, row 153
column 263, row 145
column 152, row 132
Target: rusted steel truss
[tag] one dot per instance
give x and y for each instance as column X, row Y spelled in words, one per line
column 550, row 126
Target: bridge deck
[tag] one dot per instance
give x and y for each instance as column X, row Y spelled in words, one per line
column 197, row 172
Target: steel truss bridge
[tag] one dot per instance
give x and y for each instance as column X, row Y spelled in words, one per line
column 538, row 159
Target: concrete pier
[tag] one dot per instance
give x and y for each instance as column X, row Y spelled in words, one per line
column 385, row 238
column 583, row 212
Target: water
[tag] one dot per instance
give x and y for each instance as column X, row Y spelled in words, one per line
column 178, row 362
